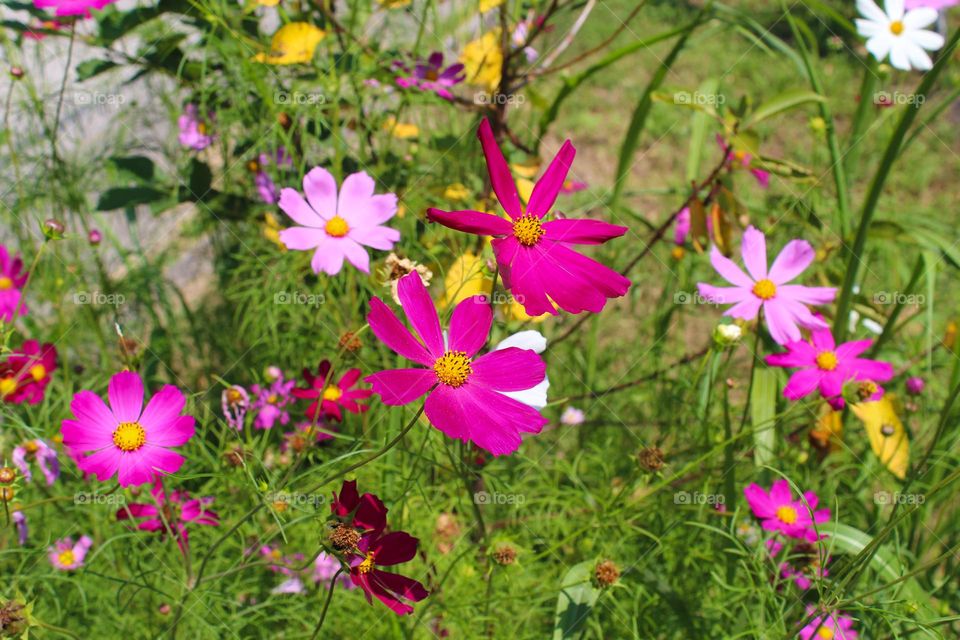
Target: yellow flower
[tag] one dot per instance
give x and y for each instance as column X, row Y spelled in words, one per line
column 394, row 4
column 268, row 3
column 486, row 5
column 483, row 61
column 465, row 277
column 271, row 230
column 528, row 170
column 293, row 43
column 524, row 189
column 401, row 130
column 515, row 311
column 828, row 431
column 888, row 438
column 456, row 192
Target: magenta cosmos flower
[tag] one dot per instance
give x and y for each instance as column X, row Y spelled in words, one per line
column 783, row 305
column 332, row 396
column 824, row 365
column 270, row 401
column 12, row 279
column 194, row 131
column 25, row 374
column 834, row 626
column 778, row 511
column 535, row 259
column 466, row 393
column 125, row 438
column 431, row 76
column 178, row 509
column 67, row 556
column 338, row 226
column 72, row 7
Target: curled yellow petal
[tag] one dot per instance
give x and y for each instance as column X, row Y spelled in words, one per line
column 483, row 61
column 888, row 437
column 465, row 277
column 293, row 43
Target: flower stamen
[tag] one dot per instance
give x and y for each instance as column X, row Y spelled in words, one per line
column 367, row 565
column 332, row 393
column 896, row 27
column 764, row 289
column 826, row 360
column 786, row 514
column 453, row 368
column 336, row 227
column 129, row 436
column 528, row 230
column 5, row 283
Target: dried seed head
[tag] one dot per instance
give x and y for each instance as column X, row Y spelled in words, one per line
column 651, row 459
column 344, row 537
column 350, row 341
column 7, row 475
column 606, row 573
column 504, row 554
column 13, row 619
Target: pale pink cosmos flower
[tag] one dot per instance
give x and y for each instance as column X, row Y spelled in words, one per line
column 171, row 513
column 40, row 452
column 466, row 398
column 779, row 511
column 72, row 7
column 535, row 257
column 194, row 130
column 784, row 305
column 337, row 226
column 12, row 279
column 67, row 555
column 939, row 5
column 835, row 626
column 824, row 365
column 126, row 438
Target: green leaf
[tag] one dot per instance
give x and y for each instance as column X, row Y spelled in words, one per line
column 90, row 68
column 780, row 103
column 198, row 184
column 139, row 167
column 123, row 197
column 575, row 602
column 763, row 411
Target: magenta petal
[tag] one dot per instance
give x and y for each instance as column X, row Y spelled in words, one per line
column 401, row 386
column 470, row 325
column 320, row 187
column 165, row 406
column 103, row 463
column 582, row 231
column 823, row 340
column 396, row 547
column 548, row 186
column 753, row 248
column 126, row 396
column 578, row 283
column 520, row 276
column 510, row 369
column 802, row 383
column 798, row 354
column 405, row 587
column 172, row 433
column 728, row 270
column 780, row 492
column 483, row 224
column 500, row 177
column 795, row 257
column 875, row 370
column 95, row 422
column 853, row 349
column 422, row 315
column 388, row 328
column 759, row 501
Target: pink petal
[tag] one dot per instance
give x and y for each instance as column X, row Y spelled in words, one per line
column 578, row 283
column 548, row 187
column 172, row 433
column 802, row 383
column 753, row 248
column 381, row 208
column 382, row 238
column 517, row 268
column 293, row 204
column 582, row 231
column 483, row 224
column 823, row 340
column 126, row 396
column 780, row 492
column 807, row 295
column 853, row 349
column 95, row 422
column 302, row 238
column 103, row 463
column 401, row 386
column 728, row 270
column 355, row 195
column 875, row 370
column 386, row 326
column 759, row 501
column 135, row 468
column 321, row 189
column 500, row 177
column 422, row 315
column 164, row 407
column 746, row 310
column 780, row 322
column 510, row 369
column 798, row 354
column 795, row 257
column 724, row 295
column 470, row 325
column 355, row 254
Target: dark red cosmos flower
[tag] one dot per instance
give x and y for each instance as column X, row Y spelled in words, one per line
column 332, row 396
column 378, row 549
column 25, row 374
column 366, row 512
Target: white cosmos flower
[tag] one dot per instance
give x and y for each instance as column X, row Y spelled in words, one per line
column 898, row 34
column 535, row 396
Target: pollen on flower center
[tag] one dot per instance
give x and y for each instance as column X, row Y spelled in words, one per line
column 337, row 227
column 66, row 557
column 764, row 289
column 826, row 360
column 367, row 565
column 38, row 371
column 5, row 283
column 332, row 393
column 896, row 27
column 7, row 386
column 786, row 514
column 129, row 436
column 202, row 128
column 825, row 633
column 453, row 368
column 432, row 75
column 528, row 230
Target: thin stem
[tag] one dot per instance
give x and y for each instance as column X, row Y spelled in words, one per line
column 326, row 604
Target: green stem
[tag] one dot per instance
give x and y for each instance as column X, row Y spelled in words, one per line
column 326, row 604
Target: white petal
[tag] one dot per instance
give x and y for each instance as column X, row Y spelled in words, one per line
column 927, row 39
column 920, row 18
column 869, row 10
column 918, row 57
column 894, row 9
column 530, row 339
column 899, row 57
column 536, row 396
column 868, row 29
column 879, row 46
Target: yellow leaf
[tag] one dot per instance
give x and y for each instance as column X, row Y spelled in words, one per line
column 293, row 43
column 394, row 4
column 888, row 437
column 486, row 5
column 524, row 189
column 401, row 130
column 483, row 61
column 456, row 191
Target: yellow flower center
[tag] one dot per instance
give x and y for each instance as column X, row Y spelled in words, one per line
column 272, row 398
column 7, row 386
column 786, row 515
column 367, row 565
column 332, row 393
column 66, row 557
column 825, row 633
column 528, row 230
column 5, row 283
column 234, row 397
column 453, row 368
column 31, row 446
column 896, row 28
column 764, row 289
column 202, row 128
column 827, row 360
column 253, row 166
column 38, row 371
column 129, row 436
column 432, row 74
column 337, row 227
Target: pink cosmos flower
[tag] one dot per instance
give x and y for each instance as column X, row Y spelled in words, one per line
column 12, row 279
column 280, row 563
column 823, row 364
column 378, row 549
column 835, row 626
column 324, row 568
column 36, row 30
column 25, row 374
column 939, row 5
column 332, row 396
column 40, row 452
column 269, row 402
column 177, row 508
column 682, row 227
column 266, row 187
column 783, row 305
column 535, row 259
column 235, row 401
column 72, row 7
column 338, row 226
column 194, row 131
column 125, row 438
column 430, row 75
column 915, row 385
column 466, row 397
column 778, row 511
column 744, row 160
column 67, row 556
column 20, row 522
column 572, row 186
